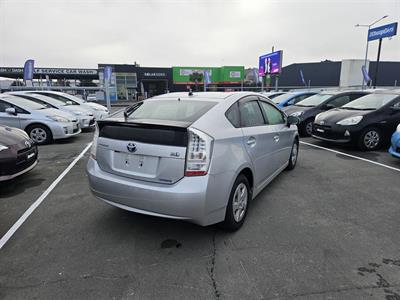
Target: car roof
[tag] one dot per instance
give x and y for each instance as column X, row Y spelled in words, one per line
column 337, row 92
column 33, row 95
column 390, row 92
column 206, row 96
column 13, row 99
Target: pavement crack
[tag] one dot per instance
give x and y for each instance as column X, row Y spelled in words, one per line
column 217, row 293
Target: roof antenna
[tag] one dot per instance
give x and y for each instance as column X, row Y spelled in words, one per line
column 190, row 92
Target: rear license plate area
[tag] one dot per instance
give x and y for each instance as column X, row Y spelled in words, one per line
column 135, row 164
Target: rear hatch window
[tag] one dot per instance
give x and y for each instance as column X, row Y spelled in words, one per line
column 150, row 144
column 170, row 110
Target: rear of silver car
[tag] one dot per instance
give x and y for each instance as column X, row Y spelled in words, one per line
column 152, row 175
column 183, row 158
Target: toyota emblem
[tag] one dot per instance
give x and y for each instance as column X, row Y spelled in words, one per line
column 131, row 147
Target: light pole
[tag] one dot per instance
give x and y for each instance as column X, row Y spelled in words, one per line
column 366, row 50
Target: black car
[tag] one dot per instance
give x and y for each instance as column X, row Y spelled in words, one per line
column 367, row 122
column 18, row 153
column 307, row 109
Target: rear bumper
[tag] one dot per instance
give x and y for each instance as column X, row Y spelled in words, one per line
column 195, row 199
column 395, row 145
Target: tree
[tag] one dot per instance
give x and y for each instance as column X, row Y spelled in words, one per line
column 196, row 77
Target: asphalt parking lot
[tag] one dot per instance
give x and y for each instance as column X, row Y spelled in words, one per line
column 327, row 230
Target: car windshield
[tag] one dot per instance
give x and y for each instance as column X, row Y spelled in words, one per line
column 314, row 100
column 280, row 98
column 370, row 102
column 172, row 110
column 67, row 99
column 24, row 103
column 40, row 99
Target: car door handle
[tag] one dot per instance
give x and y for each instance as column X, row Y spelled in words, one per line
column 251, row 141
column 276, row 138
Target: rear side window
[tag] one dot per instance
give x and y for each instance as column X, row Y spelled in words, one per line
column 232, row 114
column 274, row 116
column 251, row 114
column 172, row 110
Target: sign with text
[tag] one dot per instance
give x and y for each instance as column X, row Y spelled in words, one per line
column 270, row 63
column 381, row 32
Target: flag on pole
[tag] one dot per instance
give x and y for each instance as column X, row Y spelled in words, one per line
column 28, row 69
column 364, row 70
column 107, row 73
column 207, row 79
column 302, row 77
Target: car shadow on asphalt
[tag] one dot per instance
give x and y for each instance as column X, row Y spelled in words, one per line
column 19, row 185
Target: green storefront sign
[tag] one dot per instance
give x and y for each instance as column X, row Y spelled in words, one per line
column 222, row 75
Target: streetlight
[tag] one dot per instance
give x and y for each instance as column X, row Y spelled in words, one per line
column 366, row 51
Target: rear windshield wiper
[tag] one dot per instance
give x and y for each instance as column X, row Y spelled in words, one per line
column 130, row 109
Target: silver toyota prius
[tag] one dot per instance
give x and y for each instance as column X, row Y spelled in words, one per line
column 199, row 157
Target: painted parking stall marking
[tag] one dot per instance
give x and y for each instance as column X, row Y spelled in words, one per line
column 35, row 205
column 352, row 156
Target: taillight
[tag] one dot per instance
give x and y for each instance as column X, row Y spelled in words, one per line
column 93, row 150
column 198, row 153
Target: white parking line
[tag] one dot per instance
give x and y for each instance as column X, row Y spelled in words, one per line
column 32, row 208
column 352, row 156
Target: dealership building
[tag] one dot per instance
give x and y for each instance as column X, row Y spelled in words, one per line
column 132, row 81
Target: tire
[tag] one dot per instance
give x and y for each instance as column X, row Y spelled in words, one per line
column 306, row 129
column 40, row 134
column 370, row 139
column 236, row 213
column 294, row 154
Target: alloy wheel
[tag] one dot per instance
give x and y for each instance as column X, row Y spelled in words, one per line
column 239, row 204
column 309, row 127
column 38, row 135
column 371, row 139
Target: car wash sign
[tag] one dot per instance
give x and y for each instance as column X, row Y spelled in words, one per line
column 381, row 32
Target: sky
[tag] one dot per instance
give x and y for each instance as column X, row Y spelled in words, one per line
column 164, row 33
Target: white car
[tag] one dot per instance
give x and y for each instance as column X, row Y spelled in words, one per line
column 99, row 111
column 84, row 115
column 42, row 124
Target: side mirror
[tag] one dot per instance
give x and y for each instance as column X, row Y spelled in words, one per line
column 11, row 111
column 292, row 120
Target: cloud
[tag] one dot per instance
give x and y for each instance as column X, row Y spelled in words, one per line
column 199, row 32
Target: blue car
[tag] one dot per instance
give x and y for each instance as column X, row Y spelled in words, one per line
column 395, row 147
column 291, row 98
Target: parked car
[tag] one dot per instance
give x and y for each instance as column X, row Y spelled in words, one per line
column 395, row 147
column 199, row 157
column 272, row 95
column 99, row 111
column 42, row 124
column 291, row 98
column 85, row 116
column 307, row 109
column 367, row 122
column 18, row 153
